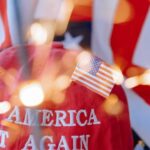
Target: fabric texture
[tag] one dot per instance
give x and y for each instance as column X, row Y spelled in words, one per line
column 91, row 127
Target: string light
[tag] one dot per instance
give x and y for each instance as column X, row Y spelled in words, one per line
column 124, row 12
column 132, row 82
column 112, row 105
column 4, row 107
column 31, row 94
column 117, row 75
column 62, row 82
column 84, row 59
column 39, row 34
column 143, row 79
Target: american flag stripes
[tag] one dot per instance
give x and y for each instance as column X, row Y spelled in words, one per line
column 128, row 49
column 95, row 75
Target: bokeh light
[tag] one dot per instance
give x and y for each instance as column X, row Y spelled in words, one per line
column 62, row 82
column 145, row 78
column 63, row 16
column 132, row 82
column 117, row 75
column 84, row 59
column 69, row 62
column 112, row 105
column 133, row 71
column 124, row 12
column 31, row 94
column 39, row 34
column 4, row 107
column 58, row 97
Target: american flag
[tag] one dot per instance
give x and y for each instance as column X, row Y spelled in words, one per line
column 94, row 74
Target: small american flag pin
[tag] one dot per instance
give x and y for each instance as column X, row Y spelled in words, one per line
column 94, row 74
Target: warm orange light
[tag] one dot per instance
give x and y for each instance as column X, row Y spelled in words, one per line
column 124, row 12
column 58, row 97
column 31, row 94
column 132, row 82
column 117, row 75
column 83, row 2
column 39, row 34
column 145, row 78
column 133, row 71
column 112, row 105
column 62, row 82
column 4, row 107
column 63, row 17
column 84, row 59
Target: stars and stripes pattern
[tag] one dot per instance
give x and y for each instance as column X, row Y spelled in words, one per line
column 127, row 45
column 94, row 74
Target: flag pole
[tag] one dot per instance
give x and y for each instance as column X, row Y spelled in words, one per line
column 21, row 50
column 23, row 59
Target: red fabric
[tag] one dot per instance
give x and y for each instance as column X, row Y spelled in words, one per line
column 83, row 11
column 3, row 15
column 113, row 133
column 124, row 44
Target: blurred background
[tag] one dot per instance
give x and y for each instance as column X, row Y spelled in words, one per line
column 115, row 30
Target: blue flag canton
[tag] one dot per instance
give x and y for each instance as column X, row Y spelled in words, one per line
column 95, row 65
column 92, row 65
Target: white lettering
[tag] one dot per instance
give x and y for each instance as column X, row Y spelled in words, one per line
column 42, row 142
column 60, row 118
column 78, row 117
column 63, row 144
column 74, row 138
column 46, row 120
column 30, row 144
column 15, row 114
column 3, row 136
column 57, row 118
column 84, row 139
column 71, row 113
column 47, row 142
column 93, row 119
column 31, row 117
